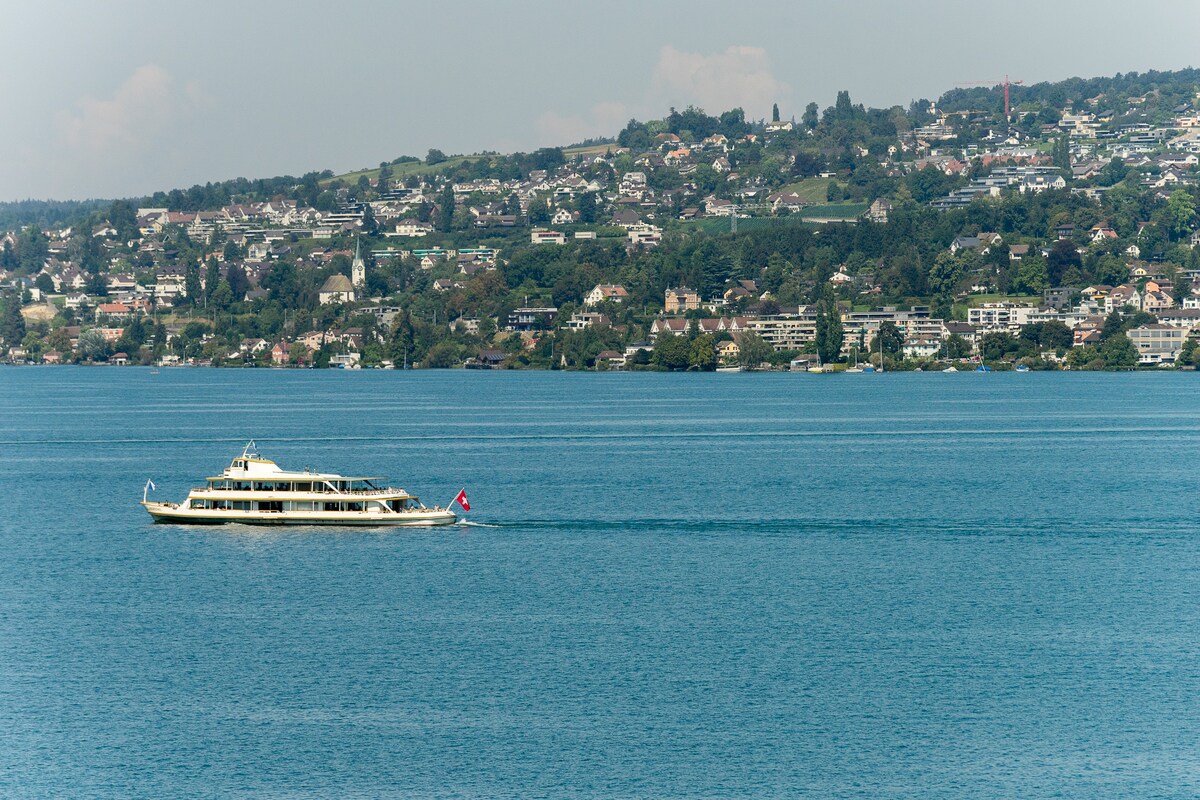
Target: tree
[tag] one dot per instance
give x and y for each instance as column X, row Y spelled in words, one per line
column 369, row 224
column 954, row 347
column 997, row 345
column 191, row 281
column 587, row 208
column 1063, row 256
column 753, row 350
column 1031, row 277
column 1119, row 352
column 891, row 337
column 671, row 351
column 445, row 209
column 222, row 295
column 8, row 257
column 842, row 107
column 830, row 333
column 810, row 118
column 702, row 355
column 212, row 277
column 539, row 212
column 1180, row 213
column 298, row 353
column 1112, row 326
column 434, row 156
column 239, row 284
column 93, row 346
column 12, row 324
column 944, row 275
column 775, row 112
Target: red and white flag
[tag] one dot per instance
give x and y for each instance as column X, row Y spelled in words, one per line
column 461, row 499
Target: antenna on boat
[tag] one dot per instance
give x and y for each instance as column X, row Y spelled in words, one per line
column 249, row 449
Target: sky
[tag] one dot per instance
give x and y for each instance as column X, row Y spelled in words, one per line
column 124, row 98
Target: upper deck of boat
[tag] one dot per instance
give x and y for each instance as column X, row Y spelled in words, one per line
column 253, row 468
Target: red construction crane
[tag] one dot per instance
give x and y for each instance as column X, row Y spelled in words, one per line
column 1006, row 82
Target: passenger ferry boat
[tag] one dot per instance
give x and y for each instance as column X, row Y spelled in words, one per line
column 255, row 491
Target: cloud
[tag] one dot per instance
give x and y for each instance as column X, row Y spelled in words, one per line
column 602, row 119
column 740, row 76
column 141, row 108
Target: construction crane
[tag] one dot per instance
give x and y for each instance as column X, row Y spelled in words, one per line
column 1006, row 83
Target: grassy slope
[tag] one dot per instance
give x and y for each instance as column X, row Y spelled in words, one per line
column 811, row 190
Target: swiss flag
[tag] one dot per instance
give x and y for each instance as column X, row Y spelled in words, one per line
column 461, row 499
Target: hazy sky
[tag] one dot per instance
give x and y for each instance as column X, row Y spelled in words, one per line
column 125, row 98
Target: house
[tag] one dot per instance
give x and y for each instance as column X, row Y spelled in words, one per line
column 626, row 218
column 644, row 235
column 742, row 288
column 112, row 311
column 680, row 299
column 1186, row 318
column 963, row 330
column 1017, row 251
column 489, row 358
column 922, row 346
column 1101, row 232
column 1157, row 343
column 1124, row 295
column 728, row 351
column 547, row 237
column 785, row 201
column 966, row 243
column 878, row 210
column 279, row 354
column 1156, row 300
column 999, row 316
column 336, row 289
column 564, row 217
column 602, row 293
column 532, row 318
column 610, row 358
column 412, row 227
column 587, row 319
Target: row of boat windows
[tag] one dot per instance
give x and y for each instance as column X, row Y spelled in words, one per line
column 293, row 486
column 303, row 505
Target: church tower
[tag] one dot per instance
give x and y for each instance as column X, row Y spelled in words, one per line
column 358, row 270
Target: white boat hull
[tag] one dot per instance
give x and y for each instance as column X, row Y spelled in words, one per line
column 180, row 515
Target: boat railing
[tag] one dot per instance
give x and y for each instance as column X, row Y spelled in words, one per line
column 314, row 490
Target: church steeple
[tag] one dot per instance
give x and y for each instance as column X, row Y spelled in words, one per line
column 358, row 269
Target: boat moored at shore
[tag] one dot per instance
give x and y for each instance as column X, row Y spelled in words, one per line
column 256, row 491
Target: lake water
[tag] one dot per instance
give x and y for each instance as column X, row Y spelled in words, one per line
column 733, row 585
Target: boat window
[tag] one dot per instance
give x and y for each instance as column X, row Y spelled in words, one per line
column 303, row 487
column 332, row 507
column 354, row 506
column 197, row 504
column 270, row 505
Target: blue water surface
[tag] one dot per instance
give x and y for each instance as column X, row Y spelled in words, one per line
column 729, row 585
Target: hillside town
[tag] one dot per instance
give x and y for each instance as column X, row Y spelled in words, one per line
column 1046, row 236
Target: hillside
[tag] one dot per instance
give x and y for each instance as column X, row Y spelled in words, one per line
column 793, row 235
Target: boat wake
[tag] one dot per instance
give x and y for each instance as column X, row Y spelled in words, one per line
column 466, row 523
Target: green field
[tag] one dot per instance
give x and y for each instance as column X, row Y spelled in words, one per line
column 810, row 190
column 976, row 300
column 403, row 170
column 834, row 211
